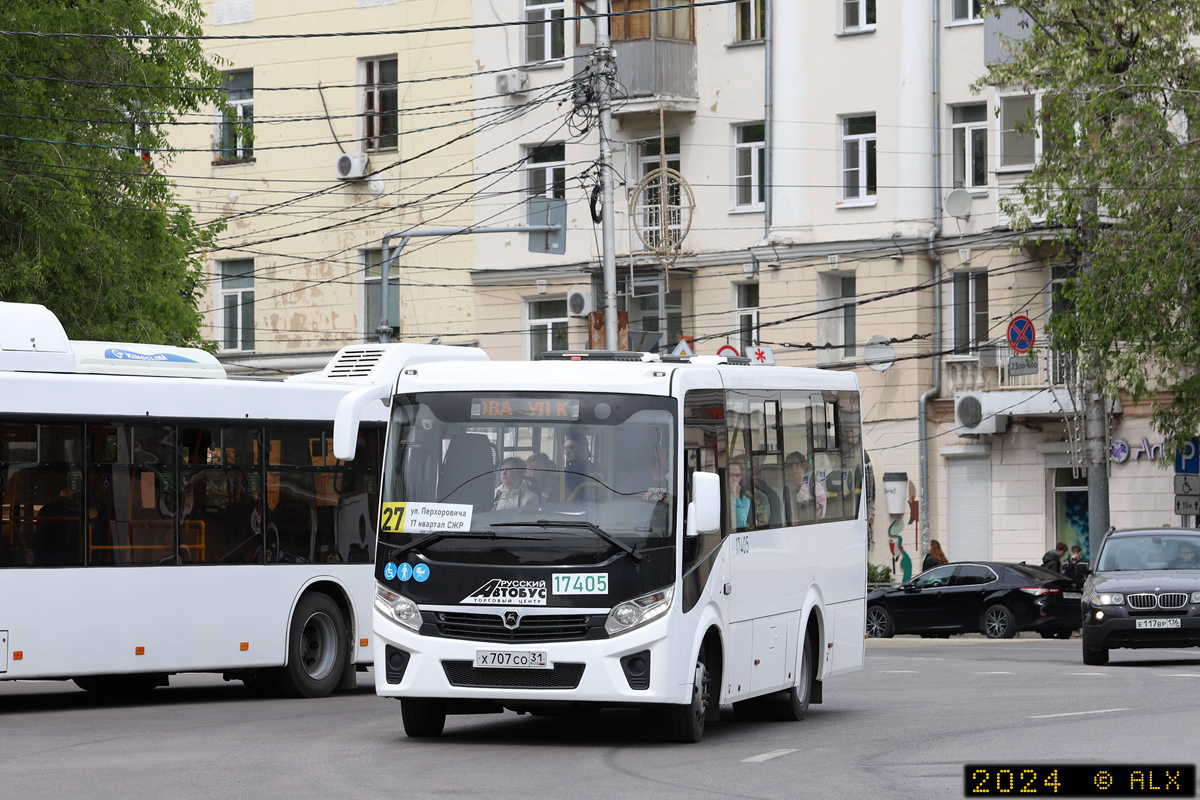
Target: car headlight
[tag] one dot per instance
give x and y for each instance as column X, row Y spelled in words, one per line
column 638, row 611
column 398, row 607
column 1109, row 599
column 1196, row 597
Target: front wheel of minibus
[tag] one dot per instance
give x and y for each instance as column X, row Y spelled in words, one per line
column 685, row 723
column 424, row 718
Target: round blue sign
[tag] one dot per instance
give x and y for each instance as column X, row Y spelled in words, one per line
column 389, row 570
column 404, row 572
column 421, row 573
column 1021, row 335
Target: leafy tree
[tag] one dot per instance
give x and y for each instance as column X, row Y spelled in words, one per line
column 1118, row 186
column 89, row 223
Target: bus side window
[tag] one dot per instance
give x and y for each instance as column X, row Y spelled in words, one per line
column 704, row 438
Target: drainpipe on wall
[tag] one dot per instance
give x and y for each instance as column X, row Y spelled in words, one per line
column 768, row 113
column 935, row 261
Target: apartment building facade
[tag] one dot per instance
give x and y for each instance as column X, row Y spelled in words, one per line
column 820, row 142
column 330, row 144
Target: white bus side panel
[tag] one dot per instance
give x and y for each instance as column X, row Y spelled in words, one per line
column 91, row 621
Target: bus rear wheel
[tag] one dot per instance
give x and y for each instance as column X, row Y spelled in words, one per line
column 316, row 648
column 424, row 718
column 794, row 704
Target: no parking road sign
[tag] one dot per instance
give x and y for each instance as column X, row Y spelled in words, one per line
column 1021, row 335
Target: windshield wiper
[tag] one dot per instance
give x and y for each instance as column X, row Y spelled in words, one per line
column 634, row 555
column 437, row 537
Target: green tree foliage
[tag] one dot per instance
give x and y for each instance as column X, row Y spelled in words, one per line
column 89, row 224
column 1118, row 183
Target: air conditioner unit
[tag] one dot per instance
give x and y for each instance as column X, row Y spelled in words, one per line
column 989, row 355
column 579, row 302
column 352, row 166
column 515, row 82
column 979, row 412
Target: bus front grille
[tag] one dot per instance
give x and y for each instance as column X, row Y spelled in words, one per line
column 531, row 629
column 465, row 673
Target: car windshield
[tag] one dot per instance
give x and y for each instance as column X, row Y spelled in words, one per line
column 1150, row 551
column 506, row 459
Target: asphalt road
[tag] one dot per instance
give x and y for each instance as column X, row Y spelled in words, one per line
column 903, row 727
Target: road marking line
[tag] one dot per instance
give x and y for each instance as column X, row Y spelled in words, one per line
column 1181, row 675
column 898, row 671
column 1080, row 713
column 1085, row 673
column 767, row 756
column 991, row 673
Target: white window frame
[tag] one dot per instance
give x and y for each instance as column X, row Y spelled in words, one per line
column 743, row 314
column 833, row 325
column 862, row 195
column 369, row 101
column 965, row 129
column 241, row 110
column 753, row 12
column 542, row 19
column 1001, row 128
column 547, row 169
column 547, row 323
column 860, row 9
column 755, row 177
column 647, row 163
column 961, row 280
column 974, row 12
column 242, row 300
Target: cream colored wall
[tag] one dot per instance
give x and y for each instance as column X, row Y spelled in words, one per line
column 308, row 287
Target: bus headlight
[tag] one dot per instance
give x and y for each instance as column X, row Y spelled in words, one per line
column 398, row 607
column 638, row 611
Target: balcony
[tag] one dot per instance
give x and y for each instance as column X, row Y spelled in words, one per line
column 992, row 369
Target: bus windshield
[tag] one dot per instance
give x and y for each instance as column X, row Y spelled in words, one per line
column 545, row 460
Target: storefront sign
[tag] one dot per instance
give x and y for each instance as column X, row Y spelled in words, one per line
column 1119, row 452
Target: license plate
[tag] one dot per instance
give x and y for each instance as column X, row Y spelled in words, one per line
column 509, row 659
column 1158, row 623
column 1073, row 595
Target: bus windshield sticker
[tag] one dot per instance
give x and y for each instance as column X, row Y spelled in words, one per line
column 581, row 583
column 425, row 518
column 499, row 592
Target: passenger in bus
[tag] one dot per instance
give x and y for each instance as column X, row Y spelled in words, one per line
column 801, row 489
column 512, row 493
column 541, row 473
column 577, row 462
column 751, row 509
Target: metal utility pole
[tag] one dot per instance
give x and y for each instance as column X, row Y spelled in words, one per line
column 605, row 68
column 1095, row 407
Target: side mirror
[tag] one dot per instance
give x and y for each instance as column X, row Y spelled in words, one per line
column 704, row 512
column 1082, row 570
column 911, row 586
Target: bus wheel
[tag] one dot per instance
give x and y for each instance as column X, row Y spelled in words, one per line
column 424, row 718
column 794, row 704
column 127, row 686
column 316, row 648
column 685, row 723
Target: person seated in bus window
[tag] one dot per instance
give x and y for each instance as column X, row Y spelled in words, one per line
column 512, row 493
column 751, row 510
column 577, row 462
column 541, row 474
column 806, row 497
column 1185, row 557
column 764, row 473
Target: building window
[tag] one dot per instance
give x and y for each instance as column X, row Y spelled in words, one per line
column 858, row 158
column 745, row 317
column 546, row 171
column 750, row 20
column 544, row 35
column 381, row 122
column 648, row 161
column 675, row 24
column 373, row 293
column 655, row 315
column 237, row 304
column 858, row 15
column 967, row 10
column 633, row 26
column 970, row 146
column 837, row 328
column 547, row 326
column 750, row 166
column 970, row 298
column 849, row 314
column 626, row 24
column 235, row 141
column 1016, row 147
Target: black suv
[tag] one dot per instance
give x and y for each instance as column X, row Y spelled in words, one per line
column 1143, row 591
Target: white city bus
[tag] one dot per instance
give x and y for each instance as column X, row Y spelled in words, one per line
column 690, row 533
column 158, row 517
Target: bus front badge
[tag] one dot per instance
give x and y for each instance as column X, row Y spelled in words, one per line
column 511, row 619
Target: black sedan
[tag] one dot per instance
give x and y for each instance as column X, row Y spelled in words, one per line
column 1144, row 592
column 977, row 597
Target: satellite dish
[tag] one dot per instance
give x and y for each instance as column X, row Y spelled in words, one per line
column 958, row 204
column 878, row 354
